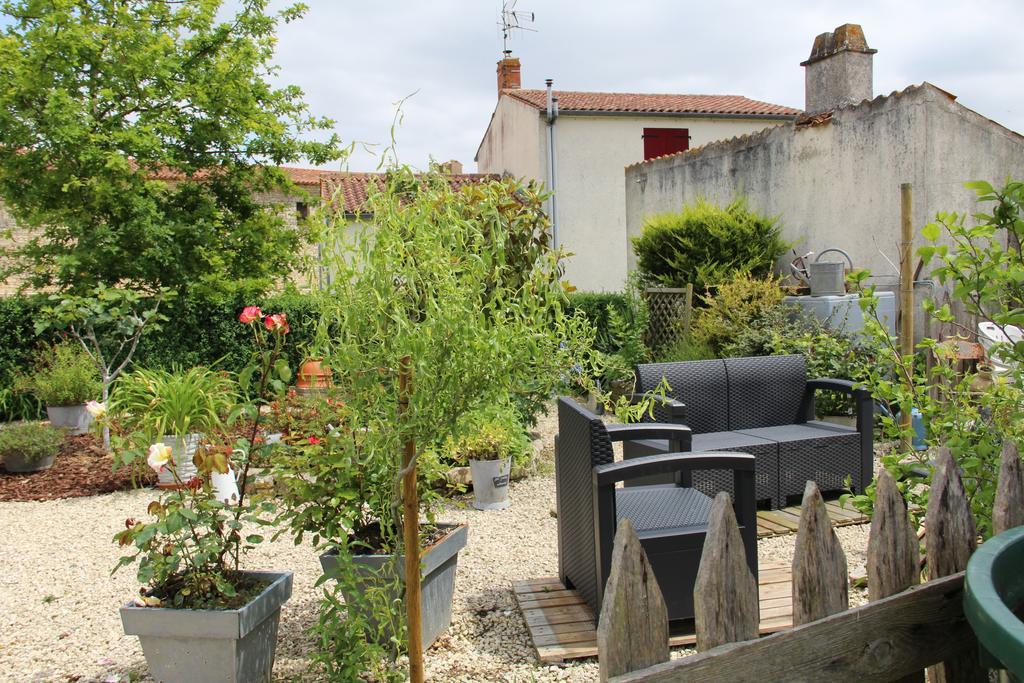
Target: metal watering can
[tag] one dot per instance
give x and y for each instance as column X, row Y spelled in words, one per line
column 825, row 278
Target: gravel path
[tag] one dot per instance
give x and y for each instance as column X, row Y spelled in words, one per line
column 58, row 603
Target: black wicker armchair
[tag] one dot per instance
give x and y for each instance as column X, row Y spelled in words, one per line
column 670, row 520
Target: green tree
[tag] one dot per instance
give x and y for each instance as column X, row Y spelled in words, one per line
column 105, row 101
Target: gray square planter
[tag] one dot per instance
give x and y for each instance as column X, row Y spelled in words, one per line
column 437, row 586
column 75, row 419
column 215, row 646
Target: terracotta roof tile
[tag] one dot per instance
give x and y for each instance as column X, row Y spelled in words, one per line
column 352, row 187
column 569, row 100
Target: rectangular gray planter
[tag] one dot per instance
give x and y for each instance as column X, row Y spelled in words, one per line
column 75, row 419
column 212, row 645
column 437, row 586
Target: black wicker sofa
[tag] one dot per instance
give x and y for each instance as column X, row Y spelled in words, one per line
column 763, row 406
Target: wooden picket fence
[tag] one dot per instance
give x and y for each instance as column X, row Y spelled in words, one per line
column 902, row 630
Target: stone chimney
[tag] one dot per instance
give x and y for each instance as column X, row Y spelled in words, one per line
column 839, row 70
column 452, row 167
column 508, row 73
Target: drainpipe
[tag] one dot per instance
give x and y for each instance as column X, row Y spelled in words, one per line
column 552, row 115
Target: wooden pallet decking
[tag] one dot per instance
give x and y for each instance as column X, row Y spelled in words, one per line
column 563, row 627
column 787, row 520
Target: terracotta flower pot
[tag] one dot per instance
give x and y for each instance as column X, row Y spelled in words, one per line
column 313, row 375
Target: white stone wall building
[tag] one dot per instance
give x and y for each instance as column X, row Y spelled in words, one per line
column 578, row 143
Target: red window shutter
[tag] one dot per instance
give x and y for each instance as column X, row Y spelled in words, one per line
column 661, row 141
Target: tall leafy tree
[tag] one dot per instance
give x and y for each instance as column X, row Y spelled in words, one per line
column 134, row 135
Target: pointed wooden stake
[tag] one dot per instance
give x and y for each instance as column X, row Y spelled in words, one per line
column 1008, row 511
column 725, row 594
column 632, row 632
column 892, row 544
column 950, row 539
column 820, row 581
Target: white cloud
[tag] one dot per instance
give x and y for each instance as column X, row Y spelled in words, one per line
column 355, row 60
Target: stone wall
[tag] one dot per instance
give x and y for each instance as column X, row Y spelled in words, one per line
column 836, row 181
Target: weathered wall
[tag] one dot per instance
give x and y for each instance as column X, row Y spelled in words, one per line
column 836, row 184
column 591, row 152
column 514, row 143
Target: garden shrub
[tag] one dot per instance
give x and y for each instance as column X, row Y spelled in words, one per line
column 705, row 245
column 63, row 375
column 491, row 433
column 596, row 307
column 735, row 305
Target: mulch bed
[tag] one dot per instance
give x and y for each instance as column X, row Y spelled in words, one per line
column 80, row 469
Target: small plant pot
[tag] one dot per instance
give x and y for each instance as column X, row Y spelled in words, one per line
column 313, row 378
column 212, row 645
column 75, row 419
column 437, row 580
column 17, row 463
column 490, row 483
column 182, row 452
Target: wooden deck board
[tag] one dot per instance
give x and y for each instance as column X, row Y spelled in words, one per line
column 787, row 520
column 561, row 629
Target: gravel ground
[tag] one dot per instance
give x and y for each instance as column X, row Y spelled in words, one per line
column 58, row 605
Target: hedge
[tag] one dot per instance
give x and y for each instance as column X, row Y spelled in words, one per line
column 198, row 332
column 595, row 306
column 204, row 332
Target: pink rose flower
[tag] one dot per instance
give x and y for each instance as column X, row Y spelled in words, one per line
column 313, row 440
column 277, row 323
column 250, row 314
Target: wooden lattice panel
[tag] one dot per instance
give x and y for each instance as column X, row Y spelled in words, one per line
column 669, row 311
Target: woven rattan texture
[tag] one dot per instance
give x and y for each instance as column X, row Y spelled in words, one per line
column 701, row 385
column 766, row 472
column 582, row 443
column 766, row 391
column 826, row 461
column 652, row 508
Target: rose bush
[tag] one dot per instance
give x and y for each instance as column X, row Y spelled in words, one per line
column 188, row 553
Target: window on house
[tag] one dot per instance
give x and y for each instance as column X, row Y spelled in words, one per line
column 301, row 210
column 661, row 141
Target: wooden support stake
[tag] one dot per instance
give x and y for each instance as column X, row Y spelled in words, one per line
column 632, row 632
column 906, row 291
column 820, row 581
column 411, row 527
column 893, row 549
column 1008, row 511
column 725, row 594
column 950, row 540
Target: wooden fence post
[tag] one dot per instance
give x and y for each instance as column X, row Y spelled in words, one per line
column 892, row 544
column 632, row 631
column 950, row 539
column 893, row 549
column 725, row 594
column 1008, row 511
column 820, row 582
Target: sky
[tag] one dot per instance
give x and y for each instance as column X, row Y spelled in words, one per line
column 357, row 60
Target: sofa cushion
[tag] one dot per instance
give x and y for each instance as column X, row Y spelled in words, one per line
column 701, row 384
column 766, row 391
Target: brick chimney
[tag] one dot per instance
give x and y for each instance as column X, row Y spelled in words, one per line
column 839, row 70
column 508, row 73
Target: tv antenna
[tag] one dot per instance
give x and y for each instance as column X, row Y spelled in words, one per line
column 511, row 19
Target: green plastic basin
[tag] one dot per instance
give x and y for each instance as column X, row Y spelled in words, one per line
column 994, row 590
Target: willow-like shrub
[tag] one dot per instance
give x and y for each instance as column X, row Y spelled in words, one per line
column 463, row 282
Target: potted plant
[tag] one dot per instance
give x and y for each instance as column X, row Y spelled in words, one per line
column 199, row 617
column 64, row 379
column 176, row 408
column 491, row 439
column 29, row 446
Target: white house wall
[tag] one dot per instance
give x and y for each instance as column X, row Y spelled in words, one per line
column 513, row 143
